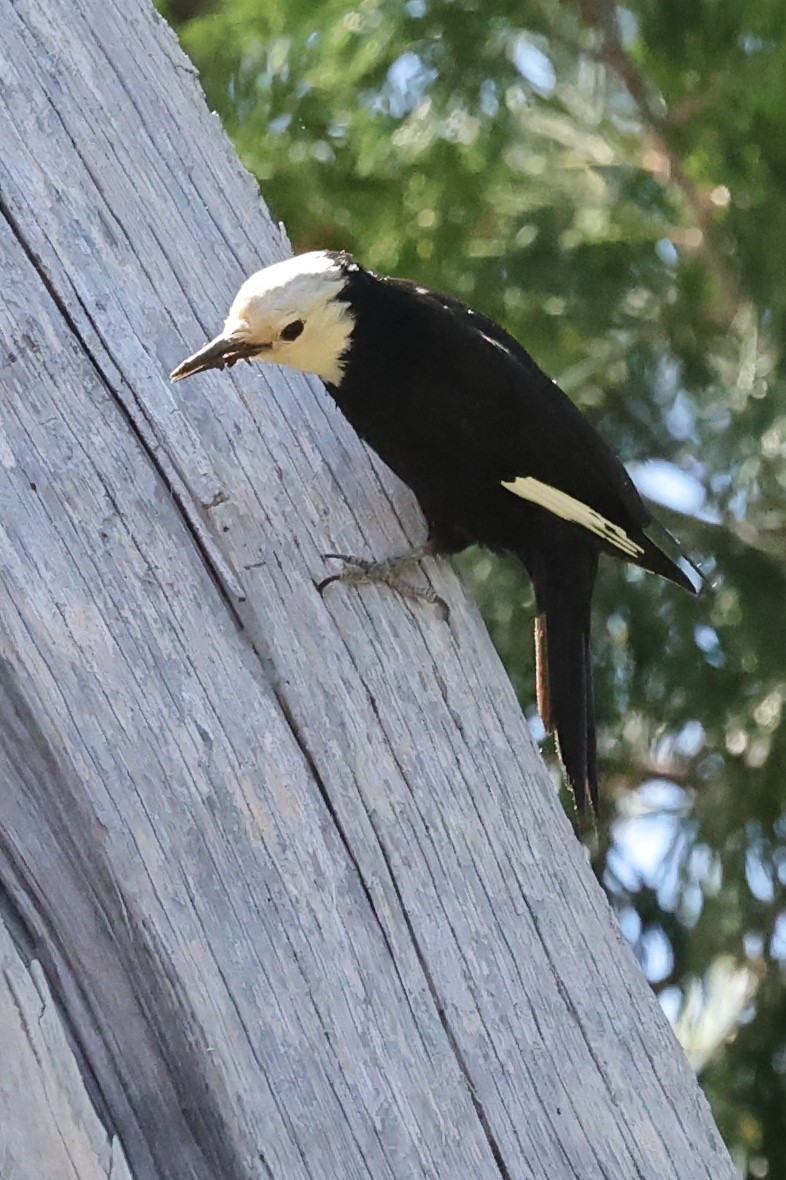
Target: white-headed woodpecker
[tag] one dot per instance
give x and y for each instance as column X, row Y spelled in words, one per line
column 495, row 452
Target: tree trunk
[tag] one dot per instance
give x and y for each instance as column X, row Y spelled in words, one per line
column 285, row 889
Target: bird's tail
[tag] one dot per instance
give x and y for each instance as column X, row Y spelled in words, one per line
column 563, row 668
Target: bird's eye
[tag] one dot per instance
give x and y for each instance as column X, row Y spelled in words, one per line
column 292, row 331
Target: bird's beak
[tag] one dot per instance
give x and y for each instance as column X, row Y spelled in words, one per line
column 220, row 353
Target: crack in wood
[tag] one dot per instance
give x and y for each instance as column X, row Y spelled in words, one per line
column 223, row 575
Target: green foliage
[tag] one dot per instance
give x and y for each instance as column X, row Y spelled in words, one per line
column 608, row 183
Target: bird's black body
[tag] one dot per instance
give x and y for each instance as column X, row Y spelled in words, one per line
column 455, row 406
column 495, row 452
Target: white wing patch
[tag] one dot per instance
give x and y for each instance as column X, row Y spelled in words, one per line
column 566, row 507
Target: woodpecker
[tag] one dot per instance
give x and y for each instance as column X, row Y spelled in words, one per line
column 494, row 451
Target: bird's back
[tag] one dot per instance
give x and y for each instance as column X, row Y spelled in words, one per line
column 456, row 406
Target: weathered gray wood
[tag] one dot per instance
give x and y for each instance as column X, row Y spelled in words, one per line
column 49, row 1125
column 290, row 867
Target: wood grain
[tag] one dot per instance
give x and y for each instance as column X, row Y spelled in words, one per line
column 286, row 889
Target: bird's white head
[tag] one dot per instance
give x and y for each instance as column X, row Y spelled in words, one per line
column 290, row 313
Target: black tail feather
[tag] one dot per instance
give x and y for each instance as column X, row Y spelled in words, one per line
column 564, row 670
column 592, row 746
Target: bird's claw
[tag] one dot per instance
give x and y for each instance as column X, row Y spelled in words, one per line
column 358, row 571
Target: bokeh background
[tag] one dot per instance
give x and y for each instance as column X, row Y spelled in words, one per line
column 609, row 183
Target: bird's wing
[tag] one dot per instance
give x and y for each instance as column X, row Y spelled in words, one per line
column 487, row 397
column 481, row 399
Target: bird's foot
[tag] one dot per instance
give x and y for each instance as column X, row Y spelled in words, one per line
column 358, row 571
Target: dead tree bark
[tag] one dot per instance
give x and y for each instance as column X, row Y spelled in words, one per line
column 285, row 890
